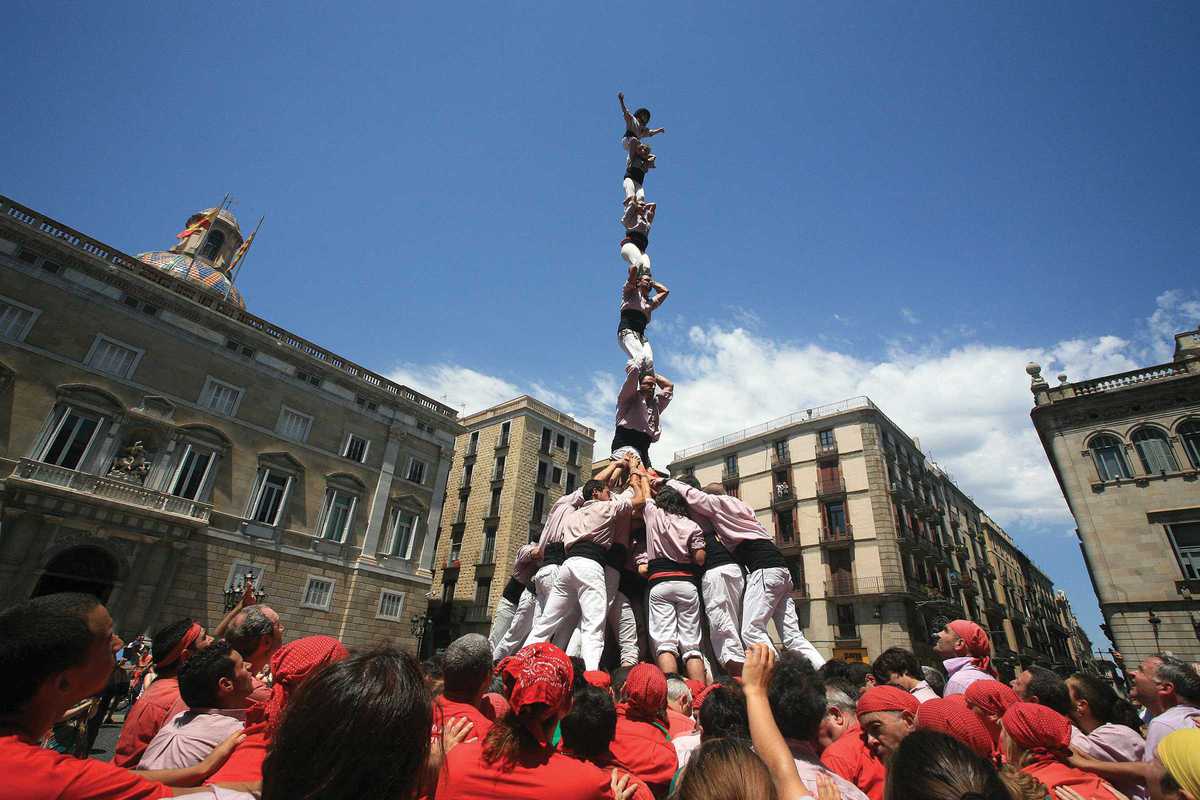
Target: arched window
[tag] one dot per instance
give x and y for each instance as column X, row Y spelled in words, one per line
column 212, row 245
column 1154, row 450
column 1109, row 455
column 1189, row 432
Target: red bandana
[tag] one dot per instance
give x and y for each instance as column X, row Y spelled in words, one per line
column 698, row 698
column 979, row 646
column 695, row 686
column 1041, row 731
column 290, row 665
column 887, row 698
column 645, row 691
column 540, row 673
column 181, row 651
column 993, row 697
column 955, row 719
column 598, row 678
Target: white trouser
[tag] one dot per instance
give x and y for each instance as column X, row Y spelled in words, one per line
column 620, row 617
column 674, row 617
column 519, row 628
column 580, row 583
column 634, row 257
column 633, row 189
column 639, row 352
column 769, row 597
column 501, row 621
column 722, row 588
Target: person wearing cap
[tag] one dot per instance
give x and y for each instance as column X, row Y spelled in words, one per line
column 1037, row 740
column 642, row 744
column 950, row 715
column 988, row 700
column 768, row 594
column 886, row 715
column 966, row 653
column 172, row 646
column 516, row 759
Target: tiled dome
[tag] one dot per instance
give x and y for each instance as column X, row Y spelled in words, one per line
column 193, row 271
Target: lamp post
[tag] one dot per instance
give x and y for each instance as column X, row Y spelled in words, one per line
column 243, row 587
column 1154, row 621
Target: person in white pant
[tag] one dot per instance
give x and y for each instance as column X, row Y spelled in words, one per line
column 514, row 615
column 636, row 308
column 768, row 595
column 588, row 532
column 674, row 556
column 637, row 219
column 721, row 590
column 639, row 159
column 621, row 618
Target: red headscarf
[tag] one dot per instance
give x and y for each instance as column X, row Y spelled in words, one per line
column 979, row 646
column 598, row 678
column 695, row 686
column 887, row 698
column 698, row 698
column 645, row 692
column 290, row 665
column 947, row 716
column 1040, row 731
column 493, row 706
column 993, row 697
column 181, row 651
column 540, row 673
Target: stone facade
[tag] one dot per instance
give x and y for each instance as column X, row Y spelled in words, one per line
column 884, row 548
column 157, row 441
column 511, row 463
column 1126, row 451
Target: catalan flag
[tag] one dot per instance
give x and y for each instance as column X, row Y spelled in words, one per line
column 241, row 251
column 200, row 225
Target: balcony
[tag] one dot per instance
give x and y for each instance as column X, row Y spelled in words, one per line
column 968, row 586
column 847, row 636
column 464, row 490
column 789, row 546
column 837, row 537
column 900, row 491
column 783, row 496
column 826, row 449
column 799, row 590
column 992, row 606
column 477, row 614
column 831, row 486
column 853, row 587
column 111, row 491
column 729, row 474
column 780, row 457
column 985, row 569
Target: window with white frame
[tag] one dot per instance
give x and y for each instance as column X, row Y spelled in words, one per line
column 403, row 532
column 1109, row 455
column 356, row 448
column 71, row 438
column 1189, row 434
column 16, row 319
column 391, row 605
column 269, row 499
column 190, row 480
column 293, row 425
column 113, row 357
column 1185, row 538
column 416, row 470
column 339, row 511
column 239, row 571
column 221, row 397
column 318, row 593
column 505, row 431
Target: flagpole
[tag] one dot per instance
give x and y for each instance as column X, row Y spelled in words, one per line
column 235, row 268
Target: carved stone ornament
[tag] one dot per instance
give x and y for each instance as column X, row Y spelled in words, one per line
column 156, row 407
column 132, row 466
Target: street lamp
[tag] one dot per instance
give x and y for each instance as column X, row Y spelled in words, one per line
column 243, row 587
column 1154, row 621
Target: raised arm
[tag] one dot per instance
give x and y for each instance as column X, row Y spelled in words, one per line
column 764, row 732
column 640, row 490
column 630, row 387
column 629, row 120
column 614, row 466
column 660, row 296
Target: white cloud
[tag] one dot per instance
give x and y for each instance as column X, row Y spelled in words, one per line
column 1174, row 311
column 461, row 387
column 910, row 317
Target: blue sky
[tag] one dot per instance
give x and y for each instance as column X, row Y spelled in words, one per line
column 908, row 200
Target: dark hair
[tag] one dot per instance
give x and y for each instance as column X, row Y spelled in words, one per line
column 167, row 637
column 671, row 502
column 618, row 678
column 198, row 677
column 896, row 661
column 1103, row 701
column 690, row 480
column 643, row 115
column 376, row 706
column 578, row 667
column 42, row 637
column 723, row 713
column 511, row 736
column 248, row 630
column 590, row 488
column 590, row 727
column 1049, row 689
column 933, row 766
column 797, row 700
column 725, row 769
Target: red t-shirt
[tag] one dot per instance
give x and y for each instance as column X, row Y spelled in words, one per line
column 1054, row 774
column 679, row 724
column 444, row 709
column 643, row 749
column 466, row 776
column 245, row 763
column 30, row 772
column 850, row 758
column 149, row 713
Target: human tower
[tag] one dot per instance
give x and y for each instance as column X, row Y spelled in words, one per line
column 631, row 550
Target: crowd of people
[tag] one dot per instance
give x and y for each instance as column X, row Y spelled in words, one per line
column 248, row 715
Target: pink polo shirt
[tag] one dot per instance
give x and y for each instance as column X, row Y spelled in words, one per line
column 552, row 531
column 527, row 563
column 733, row 520
column 637, row 412
column 670, row 536
column 632, row 299
column 597, row 521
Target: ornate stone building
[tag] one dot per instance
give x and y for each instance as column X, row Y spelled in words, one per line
column 882, row 544
column 158, row 442
column 510, row 464
column 1126, row 451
